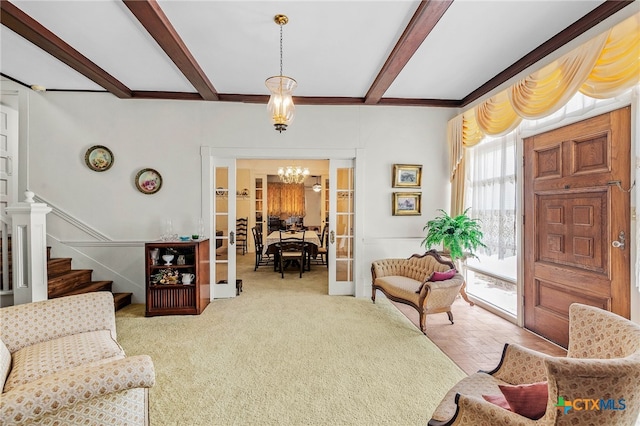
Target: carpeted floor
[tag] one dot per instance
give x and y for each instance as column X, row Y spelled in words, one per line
column 285, row 353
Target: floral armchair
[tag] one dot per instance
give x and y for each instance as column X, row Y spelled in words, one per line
column 597, row 383
column 60, row 363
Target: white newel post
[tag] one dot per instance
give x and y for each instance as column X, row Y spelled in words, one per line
column 29, row 249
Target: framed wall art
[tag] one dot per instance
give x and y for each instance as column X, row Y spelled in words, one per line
column 99, row 158
column 148, row 181
column 407, row 203
column 407, row 175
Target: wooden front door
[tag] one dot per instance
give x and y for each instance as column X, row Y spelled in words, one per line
column 576, row 204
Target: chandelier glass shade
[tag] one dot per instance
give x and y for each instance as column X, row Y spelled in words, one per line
column 316, row 187
column 280, row 104
column 293, row 174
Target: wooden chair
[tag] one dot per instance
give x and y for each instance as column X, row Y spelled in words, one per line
column 262, row 258
column 323, row 250
column 291, row 249
column 242, row 227
column 322, row 253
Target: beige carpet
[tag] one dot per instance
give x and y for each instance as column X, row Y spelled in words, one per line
column 285, row 353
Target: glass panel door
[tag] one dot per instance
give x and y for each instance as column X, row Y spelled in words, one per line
column 341, row 226
column 224, row 224
column 260, row 197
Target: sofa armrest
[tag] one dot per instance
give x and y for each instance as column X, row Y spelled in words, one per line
column 31, row 323
column 28, row 402
column 520, row 365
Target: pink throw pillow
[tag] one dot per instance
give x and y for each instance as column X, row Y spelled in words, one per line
column 498, row 400
column 527, row 400
column 441, row 276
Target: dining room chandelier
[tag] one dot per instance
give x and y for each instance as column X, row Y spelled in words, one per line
column 293, row 174
column 280, row 106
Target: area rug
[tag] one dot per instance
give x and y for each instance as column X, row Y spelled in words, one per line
column 285, row 353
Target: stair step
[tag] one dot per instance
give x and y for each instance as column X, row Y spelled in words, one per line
column 57, row 266
column 121, row 300
column 88, row 288
column 68, row 281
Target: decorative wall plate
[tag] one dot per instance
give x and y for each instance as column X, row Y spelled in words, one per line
column 148, row 181
column 99, row 158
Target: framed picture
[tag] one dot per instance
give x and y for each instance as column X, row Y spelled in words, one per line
column 148, row 181
column 407, row 203
column 407, row 176
column 99, row 158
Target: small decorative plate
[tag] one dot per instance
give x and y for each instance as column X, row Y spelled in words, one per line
column 99, row 158
column 148, row 181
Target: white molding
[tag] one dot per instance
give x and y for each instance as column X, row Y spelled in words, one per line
column 74, row 221
column 112, row 243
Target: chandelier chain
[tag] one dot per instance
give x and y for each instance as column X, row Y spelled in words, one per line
column 280, row 49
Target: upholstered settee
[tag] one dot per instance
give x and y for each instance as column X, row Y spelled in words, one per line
column 597, row 383
column 412, row 281
column 60, row 364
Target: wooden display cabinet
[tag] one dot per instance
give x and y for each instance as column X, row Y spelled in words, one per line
column 166, row 293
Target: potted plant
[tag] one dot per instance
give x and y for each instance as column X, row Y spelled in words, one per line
column 459, row 235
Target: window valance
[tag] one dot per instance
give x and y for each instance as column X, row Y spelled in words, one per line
column 604, row 67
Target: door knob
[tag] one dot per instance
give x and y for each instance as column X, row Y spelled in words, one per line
column 332, row 237
column 232, row 238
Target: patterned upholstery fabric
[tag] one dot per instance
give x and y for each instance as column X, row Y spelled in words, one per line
column 42, row 359
column 5, row 363
column 47, row 321
column 75, row 373
column 406, row 281
column 602, row 363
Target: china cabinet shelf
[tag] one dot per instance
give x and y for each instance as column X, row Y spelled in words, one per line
column 177, row 298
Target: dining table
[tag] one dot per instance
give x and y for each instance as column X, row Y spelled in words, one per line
column 310, row 237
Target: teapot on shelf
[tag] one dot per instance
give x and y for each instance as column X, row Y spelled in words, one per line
column 187, row 278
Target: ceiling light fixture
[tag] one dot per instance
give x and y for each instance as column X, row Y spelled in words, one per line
column 293, row 174
column 316, row 186
column 281, row 87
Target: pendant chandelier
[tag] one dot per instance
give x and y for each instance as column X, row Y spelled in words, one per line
column 280, row 104
column 293, row 174
column 316, row 186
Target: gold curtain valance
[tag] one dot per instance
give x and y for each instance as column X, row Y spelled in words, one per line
column 604, row 67
column 285, row 199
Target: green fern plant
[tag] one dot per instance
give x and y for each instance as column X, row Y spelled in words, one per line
column 459, row 235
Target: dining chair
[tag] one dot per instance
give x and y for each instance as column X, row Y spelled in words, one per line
column 242, row 224
column 291, row 249
column 322, row 252
column 262, row 258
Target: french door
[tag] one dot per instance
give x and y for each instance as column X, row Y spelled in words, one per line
column 223, row 237
column 219, row 204
column 341, row 227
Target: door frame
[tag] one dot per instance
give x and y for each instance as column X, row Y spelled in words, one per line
column 630, row 99
column 208, row 153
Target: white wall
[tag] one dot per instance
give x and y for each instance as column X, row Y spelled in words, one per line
column 56, row 129
column 167, row 136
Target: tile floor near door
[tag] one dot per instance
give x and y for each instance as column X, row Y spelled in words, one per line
column 477, row 337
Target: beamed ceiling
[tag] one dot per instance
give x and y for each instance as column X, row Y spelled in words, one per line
column 424, row 53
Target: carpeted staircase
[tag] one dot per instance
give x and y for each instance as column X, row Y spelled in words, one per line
column 64, row 281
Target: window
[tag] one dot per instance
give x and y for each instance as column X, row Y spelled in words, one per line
column 492, row 195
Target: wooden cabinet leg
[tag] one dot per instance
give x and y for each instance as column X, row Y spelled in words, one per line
column 463, row 293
